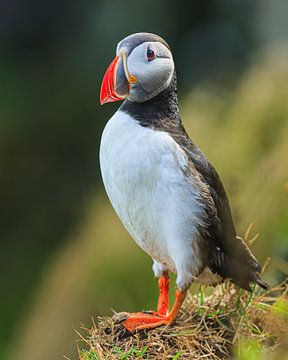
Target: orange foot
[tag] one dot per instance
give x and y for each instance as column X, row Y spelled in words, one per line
column 142, row 320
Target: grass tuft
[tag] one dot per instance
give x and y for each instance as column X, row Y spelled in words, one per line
column 230, row 322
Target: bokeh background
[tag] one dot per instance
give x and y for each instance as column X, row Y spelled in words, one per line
column 64, row 254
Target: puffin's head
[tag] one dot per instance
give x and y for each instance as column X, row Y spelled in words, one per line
column 143, row 68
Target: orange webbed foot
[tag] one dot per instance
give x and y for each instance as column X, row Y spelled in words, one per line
column 143, row 320
column 146, row 320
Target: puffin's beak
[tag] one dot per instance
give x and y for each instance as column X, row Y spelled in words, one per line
column 116, row 81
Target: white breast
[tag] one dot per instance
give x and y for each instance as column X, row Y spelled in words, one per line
column 143, row 173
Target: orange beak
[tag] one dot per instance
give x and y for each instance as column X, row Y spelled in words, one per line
column 116, row 77
column 107, row 92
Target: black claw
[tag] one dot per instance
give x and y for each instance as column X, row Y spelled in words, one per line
column 150, row 312
column 121, row 319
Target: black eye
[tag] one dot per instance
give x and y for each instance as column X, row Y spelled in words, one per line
column 150, row 54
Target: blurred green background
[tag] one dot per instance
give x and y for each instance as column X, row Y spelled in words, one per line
column 64, row 255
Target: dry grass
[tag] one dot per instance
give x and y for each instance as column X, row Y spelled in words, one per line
column 230, row 322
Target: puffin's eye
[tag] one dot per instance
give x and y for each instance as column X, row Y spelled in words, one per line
column 150, row 54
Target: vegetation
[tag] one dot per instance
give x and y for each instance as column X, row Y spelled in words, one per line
column 227, row 323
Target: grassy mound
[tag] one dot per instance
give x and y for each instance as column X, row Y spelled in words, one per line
column 228, row 323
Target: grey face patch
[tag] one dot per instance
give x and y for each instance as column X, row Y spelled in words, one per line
column 152, row 76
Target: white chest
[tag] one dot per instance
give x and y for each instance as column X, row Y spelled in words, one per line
column 142, row 170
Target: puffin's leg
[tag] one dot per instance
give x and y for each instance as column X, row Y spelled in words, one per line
column 142, row 321
column 163, row 300
column 149, row 318
column 180, row 297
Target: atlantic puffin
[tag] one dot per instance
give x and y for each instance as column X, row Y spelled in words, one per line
column 163, row 188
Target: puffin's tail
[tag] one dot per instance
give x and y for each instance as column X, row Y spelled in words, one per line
column 241, row 274
column 240, row 265
column 261, row 282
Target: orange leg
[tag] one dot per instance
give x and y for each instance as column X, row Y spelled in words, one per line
column 180, row 297
column 140, row 321
column 163, row 301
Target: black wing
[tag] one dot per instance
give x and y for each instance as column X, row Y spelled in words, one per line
column 228, row 256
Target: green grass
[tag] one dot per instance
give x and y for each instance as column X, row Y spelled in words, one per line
column 132, row 354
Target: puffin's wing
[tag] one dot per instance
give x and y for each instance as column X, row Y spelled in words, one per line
column 228, row 254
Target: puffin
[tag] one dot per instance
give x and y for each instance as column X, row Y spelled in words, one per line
column 163, row 188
